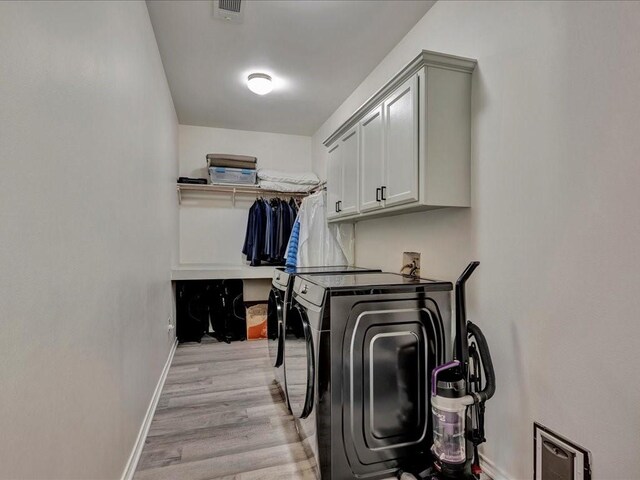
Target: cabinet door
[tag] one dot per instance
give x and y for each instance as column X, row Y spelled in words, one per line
column 371, row 160
column 334, row 180
column 401, row 144
column 350, row 159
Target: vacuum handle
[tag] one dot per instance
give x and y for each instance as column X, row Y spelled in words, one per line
column 440, row 369
column 466, row 274
column 461, row 349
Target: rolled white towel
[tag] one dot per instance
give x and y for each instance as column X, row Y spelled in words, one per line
column 306, row 178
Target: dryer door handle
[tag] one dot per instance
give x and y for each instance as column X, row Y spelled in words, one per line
column 311, row 363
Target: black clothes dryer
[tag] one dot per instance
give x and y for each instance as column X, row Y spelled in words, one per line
column 357, row 377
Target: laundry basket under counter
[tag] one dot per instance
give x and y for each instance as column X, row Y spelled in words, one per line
column 257, row 321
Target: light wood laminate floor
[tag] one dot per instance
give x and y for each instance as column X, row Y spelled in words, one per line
column 220, row 416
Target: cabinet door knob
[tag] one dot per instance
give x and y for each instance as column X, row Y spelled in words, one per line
column 304, row 288
column 383, row 189
column 378, row 194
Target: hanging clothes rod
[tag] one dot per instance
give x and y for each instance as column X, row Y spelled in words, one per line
column 244, row 190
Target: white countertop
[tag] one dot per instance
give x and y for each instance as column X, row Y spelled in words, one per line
column 209, row 271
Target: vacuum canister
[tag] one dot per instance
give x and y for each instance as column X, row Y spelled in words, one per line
column 449, row 403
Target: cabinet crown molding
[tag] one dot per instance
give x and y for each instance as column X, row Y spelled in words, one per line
column 426, row 58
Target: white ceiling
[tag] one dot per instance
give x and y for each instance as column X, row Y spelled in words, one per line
column 317, row 51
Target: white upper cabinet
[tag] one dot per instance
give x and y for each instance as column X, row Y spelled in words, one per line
column 334, row 181
column 371, row 160
column 350, row 156
column 342, row 176
column 408, row 147
column 401, row 142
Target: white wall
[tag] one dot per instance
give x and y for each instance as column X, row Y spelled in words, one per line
column 211, row 229
column 88, row 215
column 554, row 221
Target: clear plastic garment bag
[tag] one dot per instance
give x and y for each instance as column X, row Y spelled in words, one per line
column 318, row 243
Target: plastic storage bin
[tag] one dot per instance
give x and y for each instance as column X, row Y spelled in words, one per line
column 239, row 176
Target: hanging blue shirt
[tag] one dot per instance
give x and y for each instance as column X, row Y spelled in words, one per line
column 292, row 254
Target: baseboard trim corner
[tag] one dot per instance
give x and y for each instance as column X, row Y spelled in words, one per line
column 132, row 463
column 492, row 470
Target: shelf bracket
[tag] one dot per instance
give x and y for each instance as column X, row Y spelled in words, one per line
column 233, row 201
column 179, row 196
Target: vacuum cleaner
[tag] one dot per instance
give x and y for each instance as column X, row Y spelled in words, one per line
column 459, row 391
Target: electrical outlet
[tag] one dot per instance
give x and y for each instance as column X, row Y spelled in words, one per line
column 411, row 263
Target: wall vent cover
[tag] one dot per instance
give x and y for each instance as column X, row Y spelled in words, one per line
column 229, row 10
column 557, row 458
column 230, row 5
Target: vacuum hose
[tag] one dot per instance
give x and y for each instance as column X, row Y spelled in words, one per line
column 487, row 364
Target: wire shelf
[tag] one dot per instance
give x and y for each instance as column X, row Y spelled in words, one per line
column 243, row 190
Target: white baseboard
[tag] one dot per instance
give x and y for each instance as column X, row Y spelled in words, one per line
column 132, row 463
column 491, row 470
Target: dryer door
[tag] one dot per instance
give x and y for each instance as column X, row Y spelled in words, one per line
column 275, row 326
column 299, row 362
column 389, row 352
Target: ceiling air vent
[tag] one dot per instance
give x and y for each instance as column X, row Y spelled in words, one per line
column 229, row 10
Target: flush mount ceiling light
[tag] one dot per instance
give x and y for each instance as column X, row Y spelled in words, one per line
column 259, row 83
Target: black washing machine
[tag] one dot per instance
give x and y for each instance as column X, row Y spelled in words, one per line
column 279, row 304
column 356, row 378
